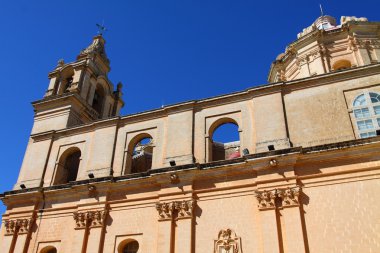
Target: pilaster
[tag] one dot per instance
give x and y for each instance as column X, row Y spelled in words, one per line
column 175, row 226
column 184, row 228
column 284, row 202
column 17, row 235
column 270, row 230
column 294, row 239
column 89, row 231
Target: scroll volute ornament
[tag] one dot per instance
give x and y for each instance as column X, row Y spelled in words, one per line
column 227, row 242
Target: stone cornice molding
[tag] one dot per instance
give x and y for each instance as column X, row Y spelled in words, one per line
column 19, row 226
column 185, row 209
column 89, row 219
column 289, row 197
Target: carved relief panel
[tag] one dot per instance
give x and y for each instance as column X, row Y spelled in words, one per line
column 227, row 242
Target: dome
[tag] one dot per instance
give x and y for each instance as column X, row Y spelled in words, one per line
column 325, row 22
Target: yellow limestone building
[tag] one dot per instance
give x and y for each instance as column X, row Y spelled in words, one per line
column 304, row 176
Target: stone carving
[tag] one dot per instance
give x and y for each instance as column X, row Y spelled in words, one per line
column 266, row 199
column 273, row 163
column 97, row 46
column 306, row 31
column 227, row 242
column 97, row 218
column 80, row 219
column 20, row 226
column 24, row 226
column 289, row 197
column 356, row 43
column 185, row 209
column 60, row 63
column 345, row 19
column 165, row 210
column 90, row 218
column 10, row 227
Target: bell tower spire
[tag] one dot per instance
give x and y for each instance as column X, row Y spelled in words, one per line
column 79, row 92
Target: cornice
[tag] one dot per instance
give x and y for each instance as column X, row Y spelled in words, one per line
column 248, row 163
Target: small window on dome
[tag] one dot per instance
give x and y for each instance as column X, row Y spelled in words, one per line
column 341, row 65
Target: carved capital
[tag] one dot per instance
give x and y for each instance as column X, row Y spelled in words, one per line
column 80, row 219
column 20, row 226
column 185, row 209
column 266, row 199
column 97, row 218
column 289, row 196
column 165, row 210
column 90, row 218
column 10, row 227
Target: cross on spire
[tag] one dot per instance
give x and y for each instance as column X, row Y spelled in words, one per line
column 320, row 6
column 101, row 28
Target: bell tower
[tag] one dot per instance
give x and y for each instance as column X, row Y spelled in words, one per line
column 79, row 92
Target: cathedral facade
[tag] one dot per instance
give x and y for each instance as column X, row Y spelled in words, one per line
column 303, row 177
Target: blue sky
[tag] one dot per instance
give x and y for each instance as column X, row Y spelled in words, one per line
column 163, row 51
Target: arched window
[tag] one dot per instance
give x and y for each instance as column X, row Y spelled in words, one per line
column 129, row 246
column 66, row 80
column 366, row 110
column 140, row 154
column 225, row 141
column 68, row 165
column 341, row 65
column 98, row 100
column 49, row 249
